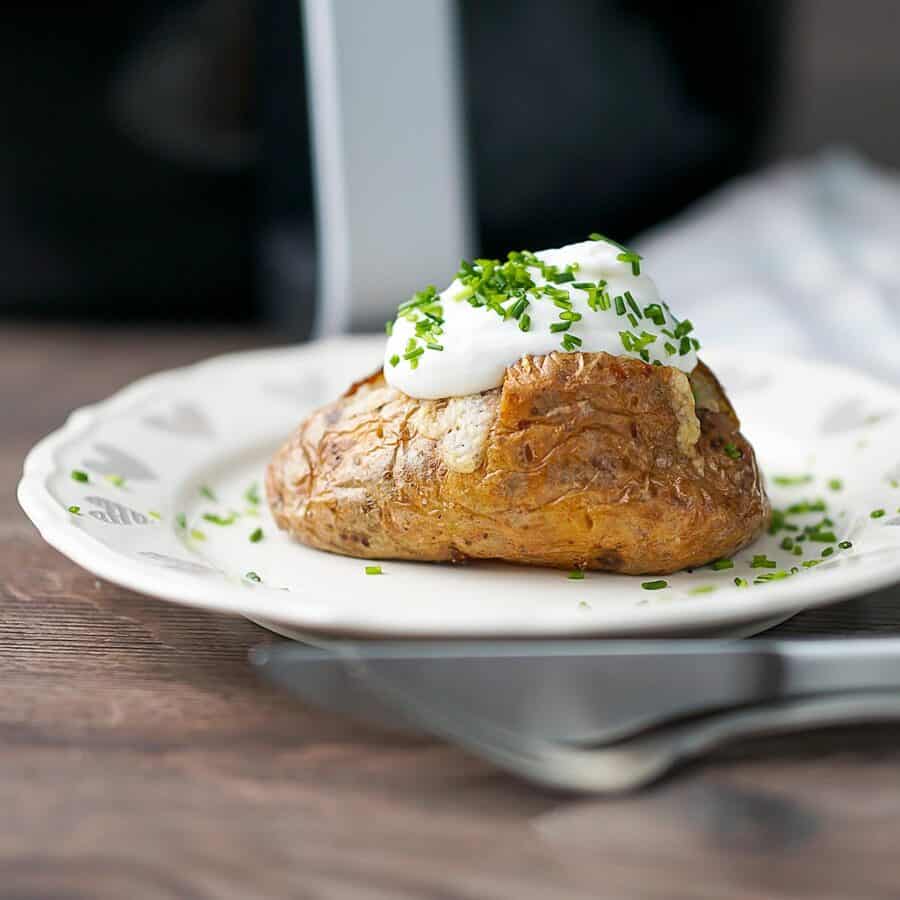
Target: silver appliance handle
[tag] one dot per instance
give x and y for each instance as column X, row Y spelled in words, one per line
column 391, row 186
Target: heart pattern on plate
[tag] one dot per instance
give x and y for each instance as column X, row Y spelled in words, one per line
column 184, row 420
column 112, row 461
column 850, row 414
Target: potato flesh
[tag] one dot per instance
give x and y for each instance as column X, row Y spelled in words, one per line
column 579, row 460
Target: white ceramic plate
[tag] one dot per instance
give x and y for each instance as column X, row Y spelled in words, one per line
column 151, row 450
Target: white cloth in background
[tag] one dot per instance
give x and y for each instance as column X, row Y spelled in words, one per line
column 803, row 257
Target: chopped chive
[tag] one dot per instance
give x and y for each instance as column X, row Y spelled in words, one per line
column 633, row 319
column 766, row 577
column 633, row 304
column 394, row 360
column 570, row 342
column 630, row 257
column 207, row 492
column 809, row 563
column 876, row 513
column 683, row 328
column 560, row 326
column 197, row 534
column 78, row 475
column 733, row 452
column 518, row 307
column 835, row 484
column 576, row 575
column 671, row 349
column 822, row 537
column 721, row 564
column 654, row 585
column 256, row 536
column 524, row 322
column 620, row 305
column 432, row 346
column 181, row 520
column 702, row 589
column 792, row 480
column 251, row 495
column 560, row 277
column 116, row 480
column 761, row 561
column 413, row 354
column 845, row 545
column 797, row 509
column 654, row 312
column 684, row 347
column 220, row 520
column 798, row 550
column 828, row 551
column 389, row 327
column 740, row 582
column 787, row 543
column 153, row 514
column 570, row 316
column 75, row 510
column 373, row 570
column 252, row 576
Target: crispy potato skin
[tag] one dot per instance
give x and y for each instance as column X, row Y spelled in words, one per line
column 579, row 460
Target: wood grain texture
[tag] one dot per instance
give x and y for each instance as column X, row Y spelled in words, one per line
column 140, row 757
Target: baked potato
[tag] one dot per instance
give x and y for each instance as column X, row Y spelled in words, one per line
column 579, row 460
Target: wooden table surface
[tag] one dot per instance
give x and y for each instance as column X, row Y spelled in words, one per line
column 140, row 757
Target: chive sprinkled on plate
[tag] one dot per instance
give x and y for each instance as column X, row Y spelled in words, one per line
column 75, row 510
column 576, row 575
column 766, row 577
column 761, row 561
column 657, row 585
column 153, row 514
column 373, row 570
column 720, row 565
column 181, row 520
column 252, row 576
column 78, row 475
column 787, row 543
column 220, row 520
column 845, row 545
column 828, row 551
column 877, row 513
column 197, row 534
column 116, row 480
column 740, row 582
column 207, row 492
column 835, row 484
column 256, row 536
column 702, row 589
column 251, row 495
column 792, row 480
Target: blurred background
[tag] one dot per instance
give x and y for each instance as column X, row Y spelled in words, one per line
column 156, row 163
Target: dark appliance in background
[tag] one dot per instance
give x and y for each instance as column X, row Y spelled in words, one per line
column 156, row 163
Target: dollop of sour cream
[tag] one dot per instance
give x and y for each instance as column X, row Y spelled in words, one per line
column 478, row 343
